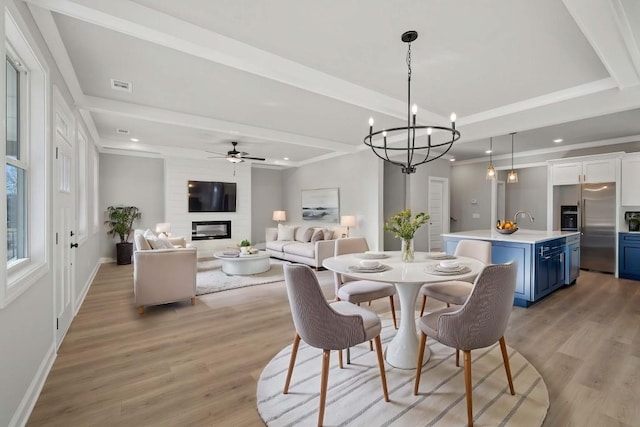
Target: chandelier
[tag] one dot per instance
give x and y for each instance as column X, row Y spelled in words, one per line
column 377, row 141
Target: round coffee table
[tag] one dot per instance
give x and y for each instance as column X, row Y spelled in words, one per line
column 244, row 264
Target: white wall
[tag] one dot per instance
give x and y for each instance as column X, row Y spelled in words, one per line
column 27, row 325
column 131, row 181
column 359, row 178
column 178, row 172
column 266, row 191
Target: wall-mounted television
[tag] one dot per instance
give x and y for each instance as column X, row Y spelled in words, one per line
column 206, row 196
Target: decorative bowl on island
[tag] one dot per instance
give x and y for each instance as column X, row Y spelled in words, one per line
column 507, row 230
column 506, row 227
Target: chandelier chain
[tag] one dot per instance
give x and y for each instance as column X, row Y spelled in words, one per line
column 409, row 60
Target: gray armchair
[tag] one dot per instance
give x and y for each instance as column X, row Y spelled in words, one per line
column 335, row 326
column 479, row 323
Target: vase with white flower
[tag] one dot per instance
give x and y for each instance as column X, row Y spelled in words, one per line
column 404, row 227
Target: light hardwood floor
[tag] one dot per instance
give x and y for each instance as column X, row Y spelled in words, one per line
column 180, row 365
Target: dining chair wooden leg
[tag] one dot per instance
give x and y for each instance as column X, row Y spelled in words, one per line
column 383, row 375
column 467, row 386
column 424, row 304
column 370, row 345
column 340, row 358
column 193, row 301
column 393, row 312
column 323, row 384
column 292, row 362
column 457, row 358
column 349, row 356
column 423, row 342
column 505, row 360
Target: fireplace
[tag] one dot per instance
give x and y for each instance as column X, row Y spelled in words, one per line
column 209, row 230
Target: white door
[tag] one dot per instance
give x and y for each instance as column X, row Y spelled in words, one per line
column 64, row 219
column 438, row 211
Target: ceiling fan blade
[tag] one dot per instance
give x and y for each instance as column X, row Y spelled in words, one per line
column 254, row 158
column 213, row 152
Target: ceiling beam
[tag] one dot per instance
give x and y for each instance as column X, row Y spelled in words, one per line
column 159, row 115
column 597, row 21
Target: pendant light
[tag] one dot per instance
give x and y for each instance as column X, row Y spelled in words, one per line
column 512, row 177
column 491, row 172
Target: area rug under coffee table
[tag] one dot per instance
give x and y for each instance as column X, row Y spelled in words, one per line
column 210, row 277
column 354, row 395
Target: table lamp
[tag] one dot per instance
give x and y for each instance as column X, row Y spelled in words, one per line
column 163, row 228
column 279, row 216
column 348, row 221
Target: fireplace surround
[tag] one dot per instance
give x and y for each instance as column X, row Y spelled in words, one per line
column 210, row 230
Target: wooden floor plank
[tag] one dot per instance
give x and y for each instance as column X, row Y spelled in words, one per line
column 183, row 365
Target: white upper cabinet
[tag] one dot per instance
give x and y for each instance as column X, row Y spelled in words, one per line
column 595, row 171
column 591, row 171
column 630, row 193
column 566, row 173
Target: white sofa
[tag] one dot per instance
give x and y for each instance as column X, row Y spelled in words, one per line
column 299, row 247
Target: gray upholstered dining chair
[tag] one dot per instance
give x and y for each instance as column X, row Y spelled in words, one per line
column 334, row 326
column 478, row 323
column 457, row 291
column 358, row 291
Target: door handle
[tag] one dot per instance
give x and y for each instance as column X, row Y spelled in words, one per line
column 74, row 245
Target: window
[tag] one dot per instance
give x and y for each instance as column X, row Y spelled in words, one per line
column 16, row 169
column 23, row 185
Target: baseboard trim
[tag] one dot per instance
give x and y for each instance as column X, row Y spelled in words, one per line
column 22, row 414
column 106, row 260
column 86, row 287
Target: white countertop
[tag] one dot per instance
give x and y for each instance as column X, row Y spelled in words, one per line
column 520, row 236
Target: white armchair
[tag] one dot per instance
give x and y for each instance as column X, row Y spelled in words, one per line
column 161, row 276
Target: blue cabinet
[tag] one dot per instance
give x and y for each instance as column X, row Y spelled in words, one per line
column 550, row 267
column 629, row 256
column 572, row 260
column 542, row 267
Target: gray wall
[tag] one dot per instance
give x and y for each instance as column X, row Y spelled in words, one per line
column 358, row 176
column 131, row 181
column 529, row 194
column 395, row 200
column 468, row 183
column 266, row 197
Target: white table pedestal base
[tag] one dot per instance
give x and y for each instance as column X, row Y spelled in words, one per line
column 402, row 351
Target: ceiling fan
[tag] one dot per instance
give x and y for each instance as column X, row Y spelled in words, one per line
column 235, row 156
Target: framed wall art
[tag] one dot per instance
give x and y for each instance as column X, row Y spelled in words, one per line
column 321, row 205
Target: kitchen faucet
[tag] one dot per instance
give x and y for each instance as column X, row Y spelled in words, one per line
column 515, row 217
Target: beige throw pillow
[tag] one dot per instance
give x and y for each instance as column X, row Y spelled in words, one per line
column 317, row 235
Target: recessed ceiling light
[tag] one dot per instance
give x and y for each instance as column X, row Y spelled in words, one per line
column 488, row 152
column 452, row 160
column 558, row 140
column 134, row 140
column 285, row 158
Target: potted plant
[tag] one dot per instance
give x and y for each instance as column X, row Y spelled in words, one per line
column 120, row 224
column 404, row 227
column 245, row 246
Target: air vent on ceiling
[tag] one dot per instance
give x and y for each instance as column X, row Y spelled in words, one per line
column 121, row 85
column 122, row 131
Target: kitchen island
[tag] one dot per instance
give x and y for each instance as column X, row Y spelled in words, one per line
column 547, row 260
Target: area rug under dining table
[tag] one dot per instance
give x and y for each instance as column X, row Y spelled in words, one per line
column 354, row 395
column 210, row 277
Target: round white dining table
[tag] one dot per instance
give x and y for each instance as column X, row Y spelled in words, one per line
column 408, row 278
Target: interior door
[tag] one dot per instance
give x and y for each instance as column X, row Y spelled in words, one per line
column 438, row 209
column 64, row 218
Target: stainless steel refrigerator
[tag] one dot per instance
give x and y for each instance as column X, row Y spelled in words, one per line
column 598, row 227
